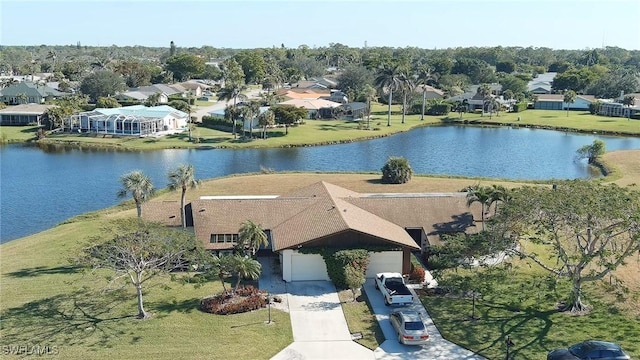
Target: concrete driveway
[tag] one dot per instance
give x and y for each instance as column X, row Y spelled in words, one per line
column 438, row 348
column 319, row 328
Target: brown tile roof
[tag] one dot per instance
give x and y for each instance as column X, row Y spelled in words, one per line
column 323, row 210
column 166, row 212
column 26, row 109
column 303, row 94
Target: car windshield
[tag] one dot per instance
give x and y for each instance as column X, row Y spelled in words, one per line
column 414, row 325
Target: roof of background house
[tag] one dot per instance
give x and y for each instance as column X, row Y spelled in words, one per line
column 320, row 210
column 304, row 93
column 141, row 110
column 311, row 104
column 560, row 97
column 26, row 109
column 493, row 87
column 156, row 88
column 356, row 105
column 30, row 89
column 429, row 88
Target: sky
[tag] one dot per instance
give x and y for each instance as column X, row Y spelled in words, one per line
column 557, row 24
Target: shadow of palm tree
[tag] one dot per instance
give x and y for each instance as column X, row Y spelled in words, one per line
column 82, row 317
column 183, row 306
column 42, row 270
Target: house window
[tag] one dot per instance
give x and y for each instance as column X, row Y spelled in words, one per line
column 224, row 238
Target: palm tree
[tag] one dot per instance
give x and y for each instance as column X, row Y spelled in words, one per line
column 480, row 194
column 52, row 55
column 232, row 112
column 22, row 98
column 425, row 76
column 233, row 90
column 245, row 268
column 182, row 178
column 388, row 79
column 153, row 99
column 569, row 98
column 406, row 86
column 370, row 94
column 629, row 101
column 499, row 194
column 221, row 267
column 252, row 236
column 140, row 187
column 249, row 112
column 265, row 119
column 485, row 91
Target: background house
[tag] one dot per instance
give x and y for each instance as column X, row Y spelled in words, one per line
column 28, row 92
column 130, row 120
column 541, row 84
column 24, row 114
column 313, row 106
column 556, row 102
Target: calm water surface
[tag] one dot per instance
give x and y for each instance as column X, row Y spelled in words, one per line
column 40, row 188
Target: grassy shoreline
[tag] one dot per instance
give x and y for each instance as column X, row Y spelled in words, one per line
column 327, row 132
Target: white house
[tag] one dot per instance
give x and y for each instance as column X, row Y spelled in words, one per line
column 130, row 120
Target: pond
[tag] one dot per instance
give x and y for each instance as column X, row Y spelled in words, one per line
column 43, row 187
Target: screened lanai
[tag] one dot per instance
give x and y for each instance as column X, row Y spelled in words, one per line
column 117, row 124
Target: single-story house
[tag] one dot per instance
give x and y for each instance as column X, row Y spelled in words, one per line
column 556, row 102
column 496, row 89
column 313, row 106
column 129, row 120
column 24, row 114
column 431, row 92
column 618, row 109
column 541, row 84
column 336, row 96
column 142, row 93
column 323, row 215
column 289, row 94
column 28, row 92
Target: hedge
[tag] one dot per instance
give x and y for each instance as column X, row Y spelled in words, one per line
column 520, row 107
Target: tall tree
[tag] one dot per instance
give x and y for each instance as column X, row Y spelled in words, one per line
column 482, row 195
column 172, row 48
column 370, row 93
column 140, row 251
column 425, row 76
column 182, row 178
column 233, row 91
column 140, row 187
column 485, row 91
column 102, row 83
column 153, row 99
column 388, row 80
column 251, row 236
column 569, row 98
column 265, row 119
column 288, row 114
column 185, row 66
column 589, row 228
column 249, row 112
column 407, row 86
column 629, row 101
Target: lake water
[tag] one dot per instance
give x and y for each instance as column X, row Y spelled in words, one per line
column 42, row 187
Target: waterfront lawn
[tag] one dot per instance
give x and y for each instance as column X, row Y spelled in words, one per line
column 522, row 304
column 45, row 301
column 577, row 120
column 17, row 133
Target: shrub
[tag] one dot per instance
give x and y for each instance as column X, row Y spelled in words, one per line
column 396, row 171
column 594, row 107
column 438, row 109
column 417, row 274
column 520, row 107
column 245, row 299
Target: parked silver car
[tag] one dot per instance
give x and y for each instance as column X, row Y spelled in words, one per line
column 409, row 326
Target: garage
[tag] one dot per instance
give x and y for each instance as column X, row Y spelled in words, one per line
column 303, row 267
column 385, row 261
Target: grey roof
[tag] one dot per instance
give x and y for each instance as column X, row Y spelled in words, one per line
column 26, row 109
column 30, row 89
column 156, row 88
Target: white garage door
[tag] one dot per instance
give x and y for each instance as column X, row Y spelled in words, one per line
column 305, row 267
column 386, row 261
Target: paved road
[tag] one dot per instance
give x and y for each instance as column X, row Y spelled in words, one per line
column 218, row 105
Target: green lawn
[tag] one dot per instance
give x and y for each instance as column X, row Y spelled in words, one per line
column 360, row 319
column 331, row 131
column 523, row 305
column 45, row 301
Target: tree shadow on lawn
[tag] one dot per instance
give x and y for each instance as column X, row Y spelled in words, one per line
column 42, row 270
column 185, row 306
column 538, row 322
column 83, row 317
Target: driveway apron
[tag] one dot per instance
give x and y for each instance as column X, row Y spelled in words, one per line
column 319, row 327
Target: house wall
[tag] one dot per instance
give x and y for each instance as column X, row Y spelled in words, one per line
column 19, row 119
column 548, row 105
column 385, row 261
